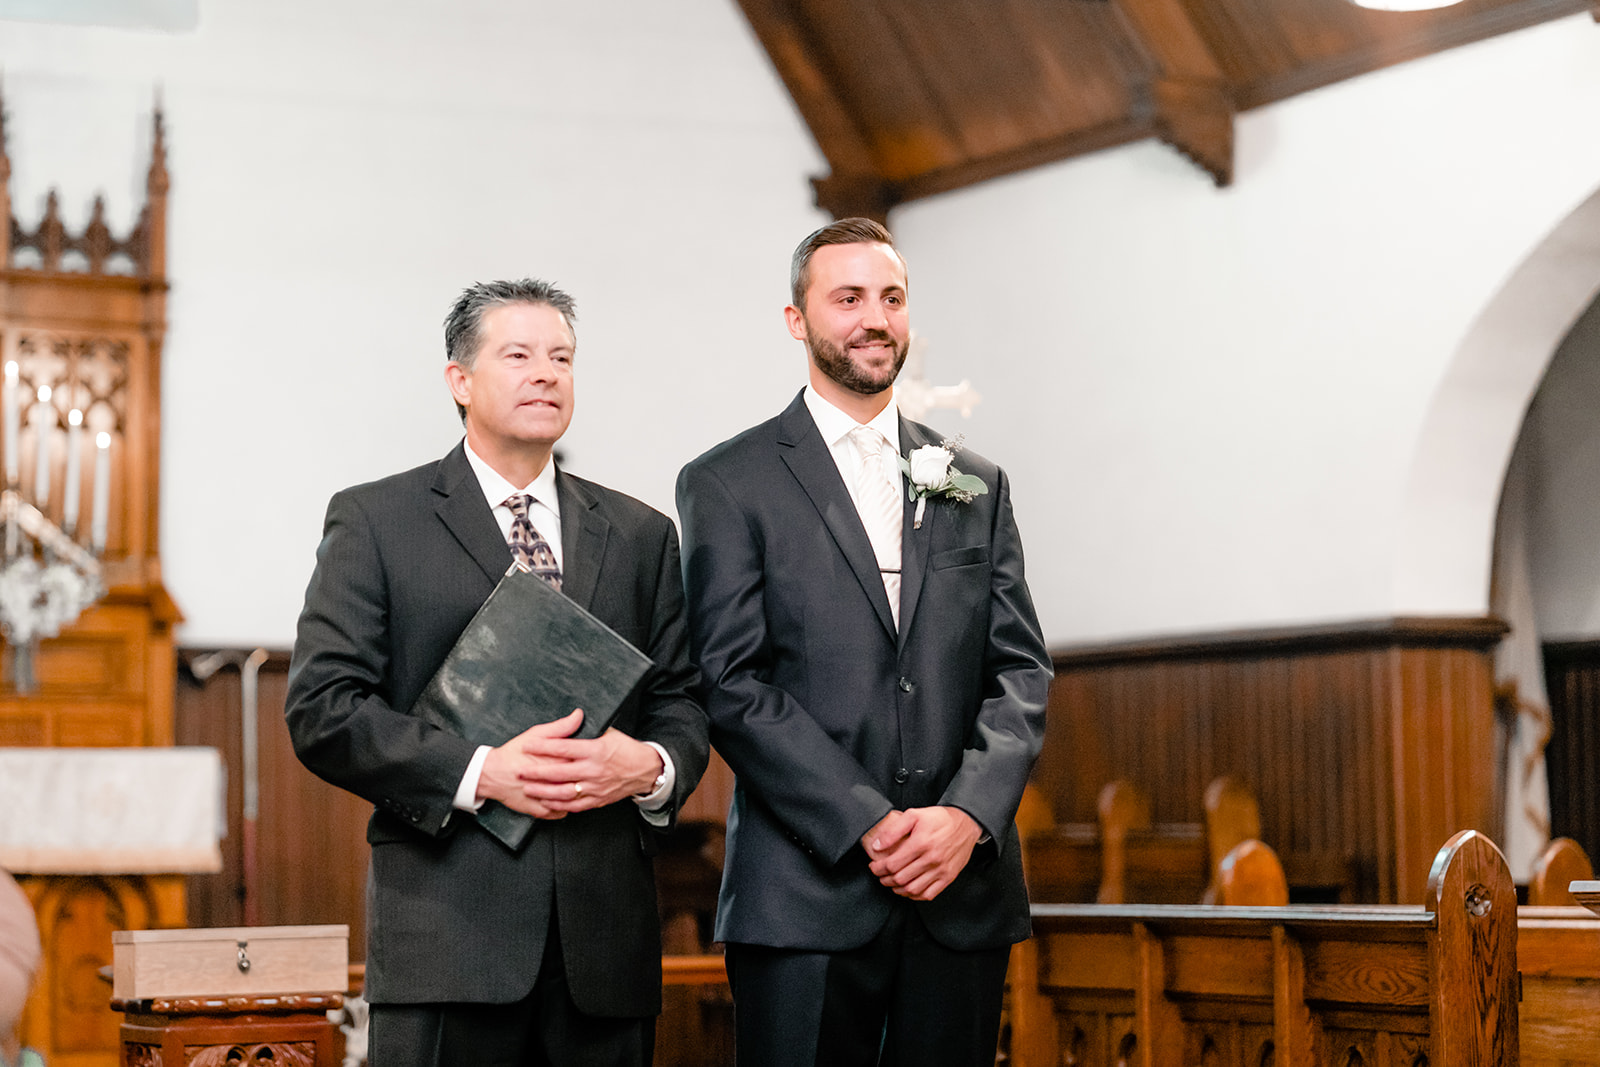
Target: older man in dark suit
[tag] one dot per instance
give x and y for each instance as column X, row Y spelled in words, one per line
column 876, row 678
column 477, row 954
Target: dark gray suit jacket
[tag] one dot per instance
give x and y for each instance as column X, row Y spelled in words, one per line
column 828, row 716
column 452, row 914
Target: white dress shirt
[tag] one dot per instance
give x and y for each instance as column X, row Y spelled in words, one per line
column 544, row 512
column 835, row 427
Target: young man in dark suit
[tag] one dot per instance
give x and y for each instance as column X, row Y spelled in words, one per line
column 876, row 678
column 477, row 954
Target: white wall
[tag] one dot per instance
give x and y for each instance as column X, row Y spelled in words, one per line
column 1208, row 400
column 340, row 171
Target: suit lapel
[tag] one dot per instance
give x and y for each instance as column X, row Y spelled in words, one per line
column 808, row 459
column 913, row 542
column 466, row 514
column 583, row 539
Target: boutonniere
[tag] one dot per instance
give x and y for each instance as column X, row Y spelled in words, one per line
column 930, row 474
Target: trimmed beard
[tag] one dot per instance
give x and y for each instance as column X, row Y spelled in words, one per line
column 835, row 363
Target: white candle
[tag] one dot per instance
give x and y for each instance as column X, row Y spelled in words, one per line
column 44, row 419
column 9, row 402
column 69, row 514
column 102, row 491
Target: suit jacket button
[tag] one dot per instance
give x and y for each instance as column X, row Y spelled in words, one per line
column 906, row 686
column 902, row 776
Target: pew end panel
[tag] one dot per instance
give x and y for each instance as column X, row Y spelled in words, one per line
column 1122, row 809
column 1251, row 874
column 1561, row 863
column 1232, row 818
column 1473, row 961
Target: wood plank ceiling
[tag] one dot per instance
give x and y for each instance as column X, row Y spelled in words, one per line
column 908, row 98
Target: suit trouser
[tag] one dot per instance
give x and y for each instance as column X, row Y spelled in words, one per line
column 544, row 1029
column 901, row 999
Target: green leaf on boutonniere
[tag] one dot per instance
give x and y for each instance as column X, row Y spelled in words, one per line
column 968, row 483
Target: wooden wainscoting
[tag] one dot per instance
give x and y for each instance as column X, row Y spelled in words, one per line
column 1366, row 744
column 311, row 848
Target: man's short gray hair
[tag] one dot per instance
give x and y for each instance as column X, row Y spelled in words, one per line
column 463, row 327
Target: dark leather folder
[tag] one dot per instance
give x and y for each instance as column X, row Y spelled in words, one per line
column 529, row 655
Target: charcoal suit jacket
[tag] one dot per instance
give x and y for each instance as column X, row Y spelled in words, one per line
column 453, row 915
column 828, row 715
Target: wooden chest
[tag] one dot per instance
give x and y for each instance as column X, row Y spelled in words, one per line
column 240, row 961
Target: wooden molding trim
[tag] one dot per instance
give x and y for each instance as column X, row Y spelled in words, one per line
column 1473, row 632
column 277, row 1004
column 1580, row 648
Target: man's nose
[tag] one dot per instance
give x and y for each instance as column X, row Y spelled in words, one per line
column 874, row 318
column 541, row 368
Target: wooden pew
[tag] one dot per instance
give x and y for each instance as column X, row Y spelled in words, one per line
column 1163, row 986
column 695, row 1026
column 1251, row 876
column 1558, row 952
column 1562, row 863
column 1558, row 955
column 1126, row 856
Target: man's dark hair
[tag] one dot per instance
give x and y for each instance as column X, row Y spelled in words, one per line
column 463, row 327
column 843, row 232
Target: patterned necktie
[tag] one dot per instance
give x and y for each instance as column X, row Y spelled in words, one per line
column 878, row 501
column 529, row 549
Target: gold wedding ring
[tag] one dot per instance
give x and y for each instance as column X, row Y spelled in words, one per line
column 577, row 790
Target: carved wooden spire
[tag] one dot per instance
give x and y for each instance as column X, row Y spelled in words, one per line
column 154, row 259
column 142, row 254
column 5, row 190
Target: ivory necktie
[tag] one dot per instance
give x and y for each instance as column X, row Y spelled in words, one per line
column 527, row 547
column 878, row 501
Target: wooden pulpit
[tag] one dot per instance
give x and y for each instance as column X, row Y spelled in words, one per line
column 236, row 995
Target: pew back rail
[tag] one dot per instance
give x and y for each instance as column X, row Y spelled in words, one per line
column 1166, row 985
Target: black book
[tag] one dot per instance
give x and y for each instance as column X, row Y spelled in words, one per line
column 530, row 655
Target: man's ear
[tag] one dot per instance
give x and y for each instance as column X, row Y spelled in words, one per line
column 460, row 383
column 796, row 320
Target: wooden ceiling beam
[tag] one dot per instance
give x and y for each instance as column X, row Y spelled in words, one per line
column 856, row 179
column 847, row 197
column 909, row 98
column 1196, row 118
column 1130, row 130
column 1193, row 105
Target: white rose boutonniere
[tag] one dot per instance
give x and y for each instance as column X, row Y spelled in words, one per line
column 930, row 473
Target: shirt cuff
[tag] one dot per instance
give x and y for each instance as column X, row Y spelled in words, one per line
column 653, row 805
column 466, row 798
